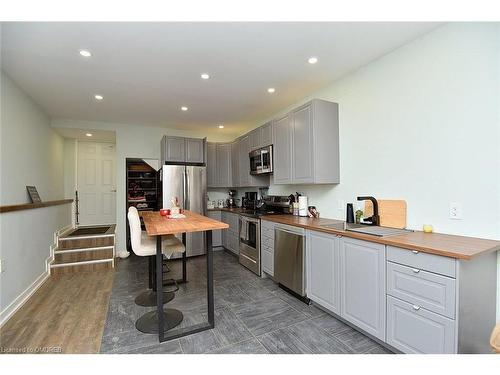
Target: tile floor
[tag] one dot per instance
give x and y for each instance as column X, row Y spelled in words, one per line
column 252, row 315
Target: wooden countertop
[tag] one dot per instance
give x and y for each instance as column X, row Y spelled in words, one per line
column 458, row 247
column 30, row 206
column 158, row 225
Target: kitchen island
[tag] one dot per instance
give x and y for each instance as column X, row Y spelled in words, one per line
column 157, row 225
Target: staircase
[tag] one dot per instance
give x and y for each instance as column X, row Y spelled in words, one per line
column 84, row 253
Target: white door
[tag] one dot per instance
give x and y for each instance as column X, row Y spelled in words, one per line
column 96, row 183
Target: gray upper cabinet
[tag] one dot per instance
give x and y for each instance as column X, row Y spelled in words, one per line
column 195, row 150
column 244, row 161
column 306, row 145
column 182, row 150
column 255, row 139
column 235, row 165
column 282, row 149
column 363, row 295
column 302, row 163
column 323, row 270
column 266, row 134
column 211, row 165
column 174, row 149
column 223, row 162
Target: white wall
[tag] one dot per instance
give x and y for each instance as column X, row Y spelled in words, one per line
column 132, row 141
column 31, row 154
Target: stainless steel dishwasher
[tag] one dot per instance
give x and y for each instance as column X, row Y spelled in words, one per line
column 289, row 258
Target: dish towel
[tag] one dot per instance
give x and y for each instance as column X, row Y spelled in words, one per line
column 244, row 230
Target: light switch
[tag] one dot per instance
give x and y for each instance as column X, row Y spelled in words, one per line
column 455, row 211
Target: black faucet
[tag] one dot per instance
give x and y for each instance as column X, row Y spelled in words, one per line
column 375, row 219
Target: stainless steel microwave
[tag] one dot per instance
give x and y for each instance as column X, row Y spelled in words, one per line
column 261, row 160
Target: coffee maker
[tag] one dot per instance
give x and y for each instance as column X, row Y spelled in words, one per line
column 231, row 201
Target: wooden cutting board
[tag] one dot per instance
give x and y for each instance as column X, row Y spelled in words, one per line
column 392, row 212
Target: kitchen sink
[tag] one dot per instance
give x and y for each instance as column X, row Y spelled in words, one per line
column 372, row 230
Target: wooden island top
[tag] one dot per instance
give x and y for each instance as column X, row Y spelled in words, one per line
column 159, row 225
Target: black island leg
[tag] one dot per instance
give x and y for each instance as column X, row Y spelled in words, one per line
column 159, row 288
column 210, row 278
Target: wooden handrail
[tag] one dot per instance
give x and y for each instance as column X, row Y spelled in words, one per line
column 30, row 206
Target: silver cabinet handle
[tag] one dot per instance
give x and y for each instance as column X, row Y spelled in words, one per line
column 416, row 270
column 416, row 308
column 415, row 251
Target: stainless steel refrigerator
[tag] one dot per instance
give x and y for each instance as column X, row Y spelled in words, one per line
column 189, row 185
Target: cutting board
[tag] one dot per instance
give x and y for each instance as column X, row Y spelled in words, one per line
column 392, row 212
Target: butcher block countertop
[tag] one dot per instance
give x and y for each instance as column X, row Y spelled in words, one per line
column 458, row 247
column 158, row 225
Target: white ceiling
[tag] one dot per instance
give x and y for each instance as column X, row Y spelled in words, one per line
column 98, row 135
column 147, row 71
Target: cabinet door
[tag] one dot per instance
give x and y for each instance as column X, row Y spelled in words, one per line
column 362, row 269
column 216, row 234
column 282, row 145
column 224, row 165
column 255, row 141
column 175, row 149
column 244, row 161
column 323, row 270
column 266, row 134
column 211, row 165
column 235, row 164
column 195, row 152
column 412, row 329
column 303, row 170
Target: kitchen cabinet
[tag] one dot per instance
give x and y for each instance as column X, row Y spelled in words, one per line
column 223, row 163
column 363, row 294
column 323, row 269
column 255, row 139
column 282, row 150
column 195, row 150
column 306, row 145
column 235, row 165
column 244, row 146
column 211, row 164
column 415, row 330
column 267, row 246
column 182, row 150
column 230, row 236
column 266, row 134
column 216, row 234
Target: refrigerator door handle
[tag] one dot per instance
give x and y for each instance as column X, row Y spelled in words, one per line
column 186, row 191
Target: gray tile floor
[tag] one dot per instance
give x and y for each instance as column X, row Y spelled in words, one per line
column 252, row 315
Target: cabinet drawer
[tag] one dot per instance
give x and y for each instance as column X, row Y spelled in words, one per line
column 418, row 331
column 425, row 289
column 423, row 261
column 267, row 225
column 267, row 262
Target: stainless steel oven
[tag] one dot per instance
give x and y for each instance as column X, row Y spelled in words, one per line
column 261, row 160
column 249, row 239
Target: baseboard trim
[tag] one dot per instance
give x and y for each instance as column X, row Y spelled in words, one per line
column 15, row 305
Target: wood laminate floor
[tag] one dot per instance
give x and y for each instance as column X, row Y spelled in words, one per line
column 66, row 315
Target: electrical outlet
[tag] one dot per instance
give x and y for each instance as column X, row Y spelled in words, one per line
column 1, row 266
column 455, row 211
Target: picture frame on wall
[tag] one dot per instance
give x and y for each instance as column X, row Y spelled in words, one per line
column 33, row 193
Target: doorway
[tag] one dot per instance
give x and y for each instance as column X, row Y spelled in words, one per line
column 96, row 183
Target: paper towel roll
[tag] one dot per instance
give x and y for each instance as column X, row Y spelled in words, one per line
column 303, row 206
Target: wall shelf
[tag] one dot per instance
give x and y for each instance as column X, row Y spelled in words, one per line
column 30, row 206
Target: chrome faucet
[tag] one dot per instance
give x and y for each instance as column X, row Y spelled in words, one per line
column 374, row 219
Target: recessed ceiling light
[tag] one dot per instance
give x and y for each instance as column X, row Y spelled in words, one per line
column 98, row 97
column 184, row 109
column 205, row 76
column 88, row 134
column 271, row 90
column 312, row 60
column 85, row 53
column 221, row 126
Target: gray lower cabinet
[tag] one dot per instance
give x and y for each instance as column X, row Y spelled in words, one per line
column 267, row 246
column 363, row 295
column 230, row 236
column 323, row 270
column 412, row 329
column 216, row 234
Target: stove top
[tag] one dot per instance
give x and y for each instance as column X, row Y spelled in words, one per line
column 259, row 213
